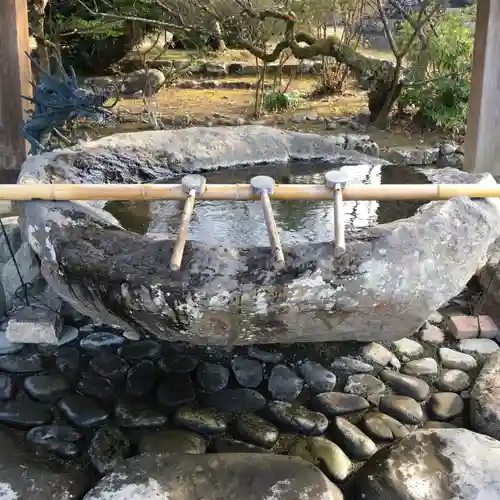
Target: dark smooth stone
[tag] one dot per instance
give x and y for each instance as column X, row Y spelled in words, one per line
column 140, row 378
column 402, row 408
column 178, row 364
column 207, row 421
column 82, row 411
column 264, row 355
column 284, row 384
column 177, row 390
column 60, row 440
column 68, row 361
column 100, row 343
column 377, row 428
column 355, row 442
column 140, row 350
column 47, row 388
column 7, row 387
column 406, row 385
column 136, row 415
column 317, row 377
column 248, row 372
column 94, row 386
column 21, row 363
column 374, row 420
column 172, row 441
column 110, row 366
column 445, row 405
column 236, row 400
column 362, row 384
column 333, row 404
column 226, row 445
column 108, row 447
column 24, row 414
column 297, row 418
column 212, row 377
column 251, row 427
column 347, row 364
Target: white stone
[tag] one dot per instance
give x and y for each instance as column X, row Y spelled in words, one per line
column 432, row 334
column 456, row 360
column 478, row 346
column 408, row 348
column 435, row 318
column 419, row 367
column 377, row 353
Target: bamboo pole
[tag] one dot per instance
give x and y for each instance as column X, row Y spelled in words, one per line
column 397, row 192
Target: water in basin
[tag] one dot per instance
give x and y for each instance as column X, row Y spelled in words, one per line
column 241, row 224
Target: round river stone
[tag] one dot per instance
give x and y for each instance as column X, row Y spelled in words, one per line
column 46, row 388
column 364, row 385
column 101, row 343
column 93, row 386
column 403, row 408
column 82, row 411
column 284, row 384
column 406, row 385
column 138, row 415
column 338, row 403
column 317, row 377
column 351, row 365
column 297, row 418
column 137, row 351
column 236, row 400
column 251, row 427
column 445, row 405
column 212, row 377
column 24, row 414
column 248, row 372
column 352, row 439
column 140, row 378
column 203, row 420
column 453, row 381
column 108, row 447
column 110, row 366
column 61, row 440
column 176, row 391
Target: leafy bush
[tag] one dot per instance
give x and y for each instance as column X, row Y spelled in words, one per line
column 277, row 101
column 439, row 76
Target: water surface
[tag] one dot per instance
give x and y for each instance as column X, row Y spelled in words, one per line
column 241, row 224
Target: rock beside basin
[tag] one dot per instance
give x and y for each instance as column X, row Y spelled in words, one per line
column 389, row 281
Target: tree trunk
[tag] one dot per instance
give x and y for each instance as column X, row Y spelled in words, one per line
column 38, row 29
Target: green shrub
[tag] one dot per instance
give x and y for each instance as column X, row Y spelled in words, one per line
column 276, row 101
column 439, row 76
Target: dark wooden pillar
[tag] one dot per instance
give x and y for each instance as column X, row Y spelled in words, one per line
column 15, row 75
column 482, row 144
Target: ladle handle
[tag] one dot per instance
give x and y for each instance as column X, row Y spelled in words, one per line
column 180, row 242
column 338, row 220
column 272, row 229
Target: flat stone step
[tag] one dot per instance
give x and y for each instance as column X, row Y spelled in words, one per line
column 38, row 323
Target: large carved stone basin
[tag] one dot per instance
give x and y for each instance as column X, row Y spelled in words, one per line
column 391, row 278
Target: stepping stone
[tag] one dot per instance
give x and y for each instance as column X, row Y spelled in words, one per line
column 172, row 441
column 420, row 367
column 138, row 351
column 445, row 405
column 317, row 377
column 7, row 387
column 110, row 366
column 135, row 415
column 208, row 421
column 463, row 327
column 177, row 390
column 60, row 440
column 108, row 448
column 297, row 418
column 377, row 354
column 402, row 408
column 100, row 343
column 93, row 386
column 408, row 348
column 325, row 455
column 24, row 414
column 406, row 385
column 47, row 388
column 453, row 381
column 351, row 365
column 22, row 364
column 284, row 384
column 456, row 360
column 178, row 364
column 82, row 411
column 248, row 372
column 338, row 403
column 481, row 347
column 364, row 385
column 487, row 327
column 140, row 379
column 212, row 377
column 68, row 361
column 264, row 355
column 252, row 428
column 357, row 444
column 236, row 400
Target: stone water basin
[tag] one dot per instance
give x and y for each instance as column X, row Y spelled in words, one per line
column 397, row 270
column 241, row 224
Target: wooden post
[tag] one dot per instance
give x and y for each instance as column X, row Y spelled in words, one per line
column 15, row 75
column 482, row 144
